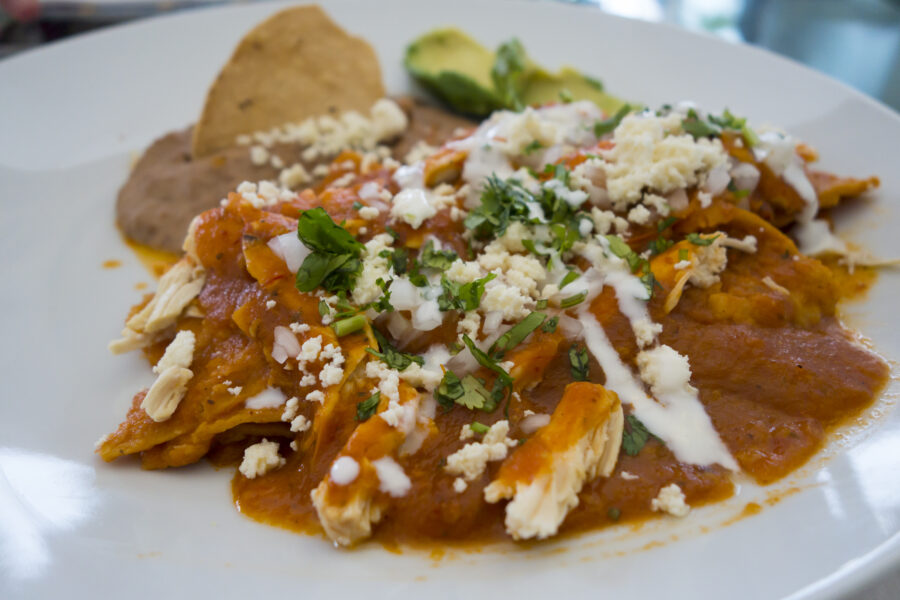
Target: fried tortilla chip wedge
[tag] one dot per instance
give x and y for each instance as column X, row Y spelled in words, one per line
column 295, row 65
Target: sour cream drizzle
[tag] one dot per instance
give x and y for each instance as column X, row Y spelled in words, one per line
column 678, row 419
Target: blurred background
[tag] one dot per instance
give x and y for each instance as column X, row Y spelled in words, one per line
column 856, row 41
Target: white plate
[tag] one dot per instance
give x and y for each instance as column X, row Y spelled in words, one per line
column 71, row 117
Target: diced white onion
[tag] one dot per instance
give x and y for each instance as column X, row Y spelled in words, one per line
column 427, row 316
column 492, row 321
column 399, row 326
column 571, row 328
column 717, row 180
column 678, row 200
column 404, row 295
column 532, row 423
column 286, row 344
column 463, row 363
column 290, row 249
column 745, row 176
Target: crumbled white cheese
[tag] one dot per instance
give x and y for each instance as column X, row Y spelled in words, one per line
column 294, row 176
column 310, row 349
column 290, row 409
column 471, row 460
column 388, row 379
column 259, row 155
column 369, row 213
column 300, row 424
column 374, row 267
column 299, row 327
column 651, row 152
column 331, row 375
column 628, row 476
column 260, row 458
column 671, row 500
column 235, row 390
column 270, row 304
column 316, row 396
column 459, row 485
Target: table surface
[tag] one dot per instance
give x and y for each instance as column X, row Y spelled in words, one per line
column 855, row 41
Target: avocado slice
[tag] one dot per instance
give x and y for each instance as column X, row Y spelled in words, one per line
column 541, row 87
column 456, row 68
column 475, row 81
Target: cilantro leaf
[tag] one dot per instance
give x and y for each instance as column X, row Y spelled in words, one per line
column 634, row 436
column 436, row 259
column 392, row 357
column 334, row 262
column 468, row 392
column 509, row 65
column 607, row 125
column 515, row 334
column 399, row 257
column 367, row 407
column 464, row 297
column 578, row 360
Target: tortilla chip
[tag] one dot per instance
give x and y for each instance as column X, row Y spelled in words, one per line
column 295, row 65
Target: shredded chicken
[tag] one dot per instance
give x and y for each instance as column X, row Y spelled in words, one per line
column 544, row 476
column 167, row 391
column 177, row 288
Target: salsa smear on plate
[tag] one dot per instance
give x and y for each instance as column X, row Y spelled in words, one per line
column 571, row 313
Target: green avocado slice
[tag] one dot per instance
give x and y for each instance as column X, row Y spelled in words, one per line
column 475, row 81
column 455, row 68
column 541, row 87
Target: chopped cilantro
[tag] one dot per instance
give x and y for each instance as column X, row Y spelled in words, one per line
column 659, row 245
column 516, row 334
column 357, row 205
column 334, row 262
column 578, row 360
column 468, row 392
column 399, row 258
column 683, row 254
column 614, row 513
column 436, row 259
column 566, row 96
column 367, row 407
column 541, row 304
column 634, row 436
column 665, row 224
column 464, row 297
column 608, row 125
column 392, row 357
column 324, row 309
